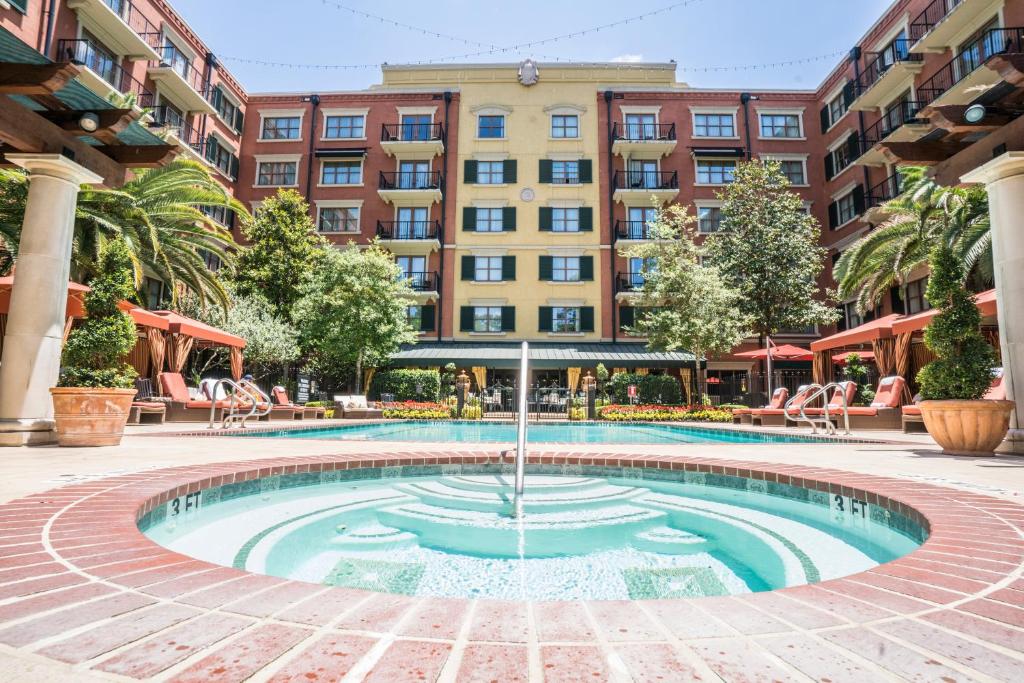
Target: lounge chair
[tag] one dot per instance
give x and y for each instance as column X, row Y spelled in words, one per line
column 355, row 408
column 282, row 406
column 242, row 403
column 779, row 398
column 182, row 407
column 778, row 417
column 884, row 412
column 146, row 405
column 913, row 421
column 835, row 404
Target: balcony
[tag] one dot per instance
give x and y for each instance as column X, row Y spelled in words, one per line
column 410, row 188
column 938, row 27
column 182, row 81
column 878, row 195
column 121, row 26
column 643, row 140
column 412, row 140
column 900, row 123
column 637, row 187
column 179, row 133
column 424, row 283
column 409, row 237
column 887, row 74
column 628, row 284
column 965, row 78
column 103, row 75
column 632, row 231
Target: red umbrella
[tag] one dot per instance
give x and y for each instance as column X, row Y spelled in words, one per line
column 713, row 380
column 783, row 352
column 840, row 358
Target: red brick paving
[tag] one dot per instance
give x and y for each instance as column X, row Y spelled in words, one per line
column 116, row 604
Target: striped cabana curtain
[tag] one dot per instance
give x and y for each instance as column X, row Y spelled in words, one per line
column 157, row 351
column 902, row 353
column 884, row 356
column 686, row 377
column 480, row 375
column 368, row 374
column 822, row 368
column 236, row 363
column 178, row 350
column 573, row 375
column 138, row 358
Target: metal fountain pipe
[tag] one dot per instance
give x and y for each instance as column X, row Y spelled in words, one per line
column 522, row 417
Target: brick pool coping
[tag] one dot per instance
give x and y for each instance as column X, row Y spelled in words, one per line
column 81, row 585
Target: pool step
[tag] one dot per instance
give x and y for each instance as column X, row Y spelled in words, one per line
column 536, row 499
column 669, row 541
column 533, row 482
column 373, row 537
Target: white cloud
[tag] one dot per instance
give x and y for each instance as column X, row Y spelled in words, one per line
column 628, row 59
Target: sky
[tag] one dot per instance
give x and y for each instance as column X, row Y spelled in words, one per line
column 697, row 34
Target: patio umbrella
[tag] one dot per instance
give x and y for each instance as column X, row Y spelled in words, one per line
column 783, row 352
column 866, row 356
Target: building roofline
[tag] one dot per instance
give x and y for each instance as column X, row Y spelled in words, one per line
column 661, row 66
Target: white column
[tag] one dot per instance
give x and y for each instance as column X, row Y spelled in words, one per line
column 1004, row 180
column 35, row 324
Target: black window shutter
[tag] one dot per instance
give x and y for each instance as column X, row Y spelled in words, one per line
column 508, row 318
column 508, row 268
column 468, row 267
column 858, row 199
column 509, row 169
column 468, row 218
column 544, row 319
column 826, row 121
column 234, row 167
column 833, row 216
column 830, row 166
column 586, row 319
column 586, row 219
column 466, row 319
column 853, row 146
column 508, row 218
column 239, row 120
column 627, row 316
column 545, row 269
column 848, row 93
column 545, row 218
column 586, row 267
column 211, row 147
column 586, row 171
column 545, row 170
column 469, row 171
column 428, row 313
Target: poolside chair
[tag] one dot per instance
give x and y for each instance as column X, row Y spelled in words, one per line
column 282, row 404
column 743, row 415
column 145, row 405
column 913, row 421
column 182, row 407
column 778, row 417
column 884, row 412
column 355, row 408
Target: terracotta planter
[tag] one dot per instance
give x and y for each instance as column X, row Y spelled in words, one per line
column 967, row 427
column 91, row 417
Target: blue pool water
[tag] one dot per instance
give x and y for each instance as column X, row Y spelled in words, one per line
column 505, row 432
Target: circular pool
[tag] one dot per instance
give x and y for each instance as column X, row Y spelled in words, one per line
column 584, row 533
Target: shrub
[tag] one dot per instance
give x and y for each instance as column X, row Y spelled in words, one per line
column 404, row 382
column 471, row 412
column 962, row 368
column 660, row 389
column 577, row 414
column 856, row 371
column 415, row 410
column 94, row 353
column 663, row 413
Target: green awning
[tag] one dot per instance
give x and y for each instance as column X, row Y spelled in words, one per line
column 542, row 355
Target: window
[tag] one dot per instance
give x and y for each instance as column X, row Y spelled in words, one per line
column 412, row 223
column 837, row 108
column 841, row 158
column 341, row 173
column 221, row 214
column 847, row 208
column 641, row 127
column 227, row 110
column 339, row 219
column 417, row 127
column 487, row 269
column 780, row 126
column 709, row 219
column 714, row 125
column 565, row 220
column 715, row 171
column 565, row 172
column 345, row 127
column 565, row 319
column 916, row 300
column 490, row 172
column 281, row 128
column 637, row 268
column 221, row 157
column 490, row 220
column 154, row 293
column 491, row 126
column 175, row 57
column 565, row 269
column 414, row 269
column 794, row 171
column 638, row 223
column 643, row 174
column 98, row 58
column 565, row 126
column 277, row 173
column 414, row 316
column 210, row 260
column 414, row 175
column 487, row 319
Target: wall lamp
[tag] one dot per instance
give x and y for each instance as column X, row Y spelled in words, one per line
column 89, row 122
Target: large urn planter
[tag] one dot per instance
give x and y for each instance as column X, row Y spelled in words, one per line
column 967, row 427
column 91, row 417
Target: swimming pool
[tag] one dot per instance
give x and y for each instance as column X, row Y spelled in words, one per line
column 599, row 533
column 505, row 432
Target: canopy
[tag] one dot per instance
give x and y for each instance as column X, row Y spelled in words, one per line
column 862, row 334
column 542, row 355
column 782, row 352
column 200, row 331
column 840, row 358
column 75, row 306
column 986, row 303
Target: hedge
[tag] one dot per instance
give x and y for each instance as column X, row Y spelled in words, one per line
column 660, row 389
column 402, row 383
column 663, row 413
column 412, row 410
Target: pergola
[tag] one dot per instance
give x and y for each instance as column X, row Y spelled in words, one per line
column 184, row 334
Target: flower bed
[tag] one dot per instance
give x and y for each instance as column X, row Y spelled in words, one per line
column 659, row 413
column 416, row 410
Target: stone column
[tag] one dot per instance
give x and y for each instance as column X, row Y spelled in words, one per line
column 1004, row 180
column 35, row 323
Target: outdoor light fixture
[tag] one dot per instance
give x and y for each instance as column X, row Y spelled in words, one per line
column 975, row 113
column 89, row 122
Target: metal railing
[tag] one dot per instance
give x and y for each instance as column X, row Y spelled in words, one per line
column 422, row 281
column 895, row 52
column 245, row 401
column 821, row 392
column 885, row 191
column 136, row 21
column 639, row 132
column 991, row 43
column 629, row 282
column 935, row 12
column 896, row 116
column 86, row 53
column 646, row 180
column 632, row 230
column 410, row 180
column 175, row 59
column 408, row 230
column 411, row 132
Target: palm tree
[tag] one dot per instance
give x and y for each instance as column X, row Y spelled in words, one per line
column 159, row 214
column 923, row 215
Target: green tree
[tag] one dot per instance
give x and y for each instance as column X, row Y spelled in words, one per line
column 856, row 371
column 283, row 249
column 767, row 249
column 686, row 305
column 95, row 350
column 159, row 217
column 353, row 310
column 962, row 368
column 921, row 217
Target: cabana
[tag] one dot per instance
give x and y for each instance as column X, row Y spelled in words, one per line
column 877, row 334
column 185, row 334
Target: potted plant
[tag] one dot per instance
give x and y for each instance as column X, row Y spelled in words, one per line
column 95, row 393
column 953, row 384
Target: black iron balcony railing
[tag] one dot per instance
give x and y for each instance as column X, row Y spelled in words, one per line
column 410, row 180
column 86, row 53
column 993, row 42
column 885, row 191
column 880, row 62
column 629, row 282
column 165, row 117
column 646, row 180
column 632, row 230
column 422, row 281
column 174, row 58
column 131, row 15
column 935, row 12
column 411, row 132
column 899, row 114
column 643, row 131
column 408, row 230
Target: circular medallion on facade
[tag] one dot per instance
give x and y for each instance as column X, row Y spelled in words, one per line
column 527, row 194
